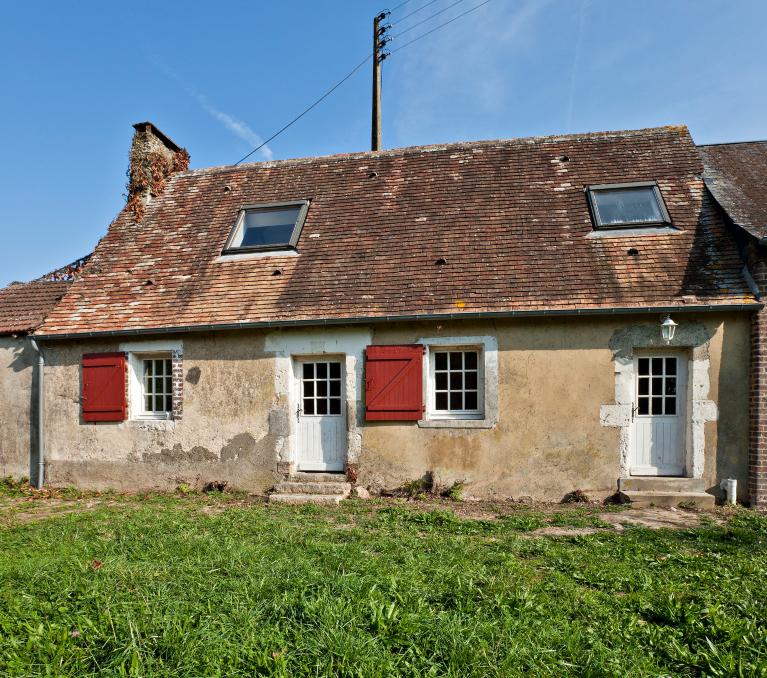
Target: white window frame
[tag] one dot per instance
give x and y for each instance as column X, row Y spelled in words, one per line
column 140, row 401
column 486, row 415
column 137, row 353
column 431, row 399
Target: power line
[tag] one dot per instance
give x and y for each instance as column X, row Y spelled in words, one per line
column 356, row 68
column 309, row 108
column 436, row 28
column 415, row 11
column 402, row 4
column 428, row 18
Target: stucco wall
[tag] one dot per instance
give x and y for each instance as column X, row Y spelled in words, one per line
column 554, row 375
column 17, row 425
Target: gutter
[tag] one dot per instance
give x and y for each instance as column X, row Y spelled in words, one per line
column 366, row 320
column 40, row 414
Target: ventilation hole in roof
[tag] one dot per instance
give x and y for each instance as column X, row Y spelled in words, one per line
column 277, row 271
column 372, row 175
column 441, row 261
column 227, row 188
column 564, row 158
column 633, row 252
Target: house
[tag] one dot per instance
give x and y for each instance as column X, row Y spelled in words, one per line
column 736, row 175
column 528, row 316
column 23, row 306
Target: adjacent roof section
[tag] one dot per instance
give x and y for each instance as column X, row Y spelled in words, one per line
column 23, row 306
column 736, row 174
column 496, row 226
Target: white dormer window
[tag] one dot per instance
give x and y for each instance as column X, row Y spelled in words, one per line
column 273, row 226
column 635, row 205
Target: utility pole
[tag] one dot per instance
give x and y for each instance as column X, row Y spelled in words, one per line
column 379, row 54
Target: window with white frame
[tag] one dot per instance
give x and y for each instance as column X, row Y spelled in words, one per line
column 456, row 383
column 155, row 384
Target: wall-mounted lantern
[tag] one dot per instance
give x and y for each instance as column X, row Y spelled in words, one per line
column 667, row 329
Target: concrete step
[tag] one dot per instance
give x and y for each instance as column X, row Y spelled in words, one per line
column 293, row 487
column 290, row 498
column 669, row 499
column 317, row 477
column 661, row 484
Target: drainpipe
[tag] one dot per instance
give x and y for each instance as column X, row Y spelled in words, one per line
column 40, row 417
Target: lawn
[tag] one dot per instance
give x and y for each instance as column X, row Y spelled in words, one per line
column 223, row 585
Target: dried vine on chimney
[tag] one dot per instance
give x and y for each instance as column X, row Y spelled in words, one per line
column 148, row 174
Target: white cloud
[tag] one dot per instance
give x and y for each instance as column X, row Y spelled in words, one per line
column 234, row 125
column 468, row 64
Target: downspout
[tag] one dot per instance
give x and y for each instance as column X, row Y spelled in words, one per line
column 40, row 415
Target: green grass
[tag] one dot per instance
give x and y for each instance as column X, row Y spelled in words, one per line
column 208, row 586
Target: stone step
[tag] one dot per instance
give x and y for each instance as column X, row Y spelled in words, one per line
column 294, row 487
column 661, row 484
column 669, row 499
column 327, row 499
column 317, row 477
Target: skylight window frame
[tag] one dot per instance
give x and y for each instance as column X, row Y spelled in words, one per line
column 230, row 249
column 590, row 191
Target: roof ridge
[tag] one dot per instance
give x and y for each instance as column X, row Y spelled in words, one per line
column 430, row 148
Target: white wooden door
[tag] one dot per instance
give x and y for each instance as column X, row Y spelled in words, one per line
column 321, row 415
column 659, row 415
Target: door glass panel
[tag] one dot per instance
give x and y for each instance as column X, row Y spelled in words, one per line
column 321, row 388
column 657, row 377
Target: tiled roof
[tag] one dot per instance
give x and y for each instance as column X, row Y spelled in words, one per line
column 510, row 218
column 737, row 176
column 23, row 306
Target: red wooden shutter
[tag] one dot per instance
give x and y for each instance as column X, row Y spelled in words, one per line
column 103, row 397
column 394, row 383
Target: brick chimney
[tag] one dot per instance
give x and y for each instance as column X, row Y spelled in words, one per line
column 153, row 159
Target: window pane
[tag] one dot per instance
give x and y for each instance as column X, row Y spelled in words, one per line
column 335, row 406
column 470, row 380
column 265, row 227
column 440, row 381
column 670, row 405
column 308, row 370
column 322, row 406
column 627, row 205
column 670, row 365
column 644, row 366
column 335, row 370
column 168, row 403
column 309, row 388
column 159, row 385
column 308, row 406
column 159, row 366
column 471, row 400
column 657, row 405
column 657, row 386
column 644, row 406
column 322, row 388
column 440, row 361
column 159, row 405
column 148, row 403
column 456, row 360
column 456, row 401
column 671, row 386
column 644, row 386
column 335, row 388
column 148, row 368
column 168, row 385
column 657, row 366
column 470, row 360
column 456, row 380
column 322, row 370
column 440, row 401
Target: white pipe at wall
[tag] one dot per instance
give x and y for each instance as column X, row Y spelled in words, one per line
column 730, row 487
column 40, row 417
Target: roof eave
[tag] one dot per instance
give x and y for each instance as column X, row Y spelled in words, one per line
column 360, row 320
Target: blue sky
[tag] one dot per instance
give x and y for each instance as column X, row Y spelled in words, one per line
column 219, row 77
